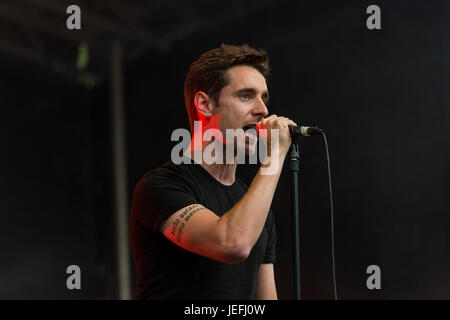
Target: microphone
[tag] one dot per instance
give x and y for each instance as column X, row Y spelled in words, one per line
column 297, row 131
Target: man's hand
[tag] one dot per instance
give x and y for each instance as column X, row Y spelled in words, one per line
column 284, row 137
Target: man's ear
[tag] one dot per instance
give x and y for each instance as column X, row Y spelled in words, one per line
column 203, row 104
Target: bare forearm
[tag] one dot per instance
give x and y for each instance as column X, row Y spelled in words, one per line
column 243, row 223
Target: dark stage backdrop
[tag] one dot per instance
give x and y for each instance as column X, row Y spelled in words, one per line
column 382, row 97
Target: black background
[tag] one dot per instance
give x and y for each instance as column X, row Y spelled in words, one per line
column 382, row 97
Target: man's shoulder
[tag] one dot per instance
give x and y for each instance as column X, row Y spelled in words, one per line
column 165, row 169
column 168, row 181
column 167, row 173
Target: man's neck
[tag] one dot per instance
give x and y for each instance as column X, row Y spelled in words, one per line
column 223, row 173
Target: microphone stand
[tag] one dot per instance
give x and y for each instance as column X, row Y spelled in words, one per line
column 294, row 159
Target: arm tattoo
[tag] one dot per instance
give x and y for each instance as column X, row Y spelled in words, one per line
column 182, row 220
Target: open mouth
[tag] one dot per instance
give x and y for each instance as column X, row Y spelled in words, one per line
column 250, row 126
column 251, row 133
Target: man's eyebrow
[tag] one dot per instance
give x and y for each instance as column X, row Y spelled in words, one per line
column 264, row 95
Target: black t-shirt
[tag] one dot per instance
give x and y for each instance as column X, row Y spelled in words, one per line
column 167, row 271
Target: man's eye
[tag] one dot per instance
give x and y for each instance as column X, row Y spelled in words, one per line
column 245, row 96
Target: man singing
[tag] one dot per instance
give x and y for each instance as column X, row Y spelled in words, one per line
column 197, row 232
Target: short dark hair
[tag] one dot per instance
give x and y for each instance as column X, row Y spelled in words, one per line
column 210, row 72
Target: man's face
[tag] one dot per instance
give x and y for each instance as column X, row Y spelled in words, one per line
column 242, row 104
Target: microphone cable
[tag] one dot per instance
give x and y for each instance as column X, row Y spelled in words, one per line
column 332, row 216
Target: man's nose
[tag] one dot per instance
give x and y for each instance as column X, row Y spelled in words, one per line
column 260, row 109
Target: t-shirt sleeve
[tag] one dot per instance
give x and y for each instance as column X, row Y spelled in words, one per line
column 158, row 195
column 269, row 256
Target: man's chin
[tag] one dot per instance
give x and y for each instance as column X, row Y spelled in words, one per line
column 249, row 149
column 244, row 151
